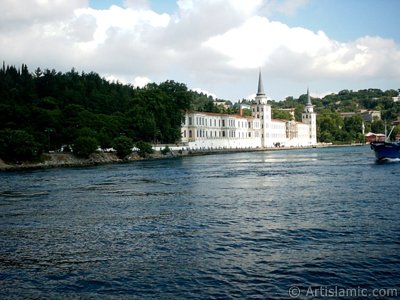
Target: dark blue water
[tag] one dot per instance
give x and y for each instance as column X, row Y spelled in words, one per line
column 244, row 225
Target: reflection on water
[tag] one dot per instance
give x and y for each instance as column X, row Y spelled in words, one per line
column 245, row 225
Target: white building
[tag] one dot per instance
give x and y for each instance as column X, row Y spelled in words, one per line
column 202, row 130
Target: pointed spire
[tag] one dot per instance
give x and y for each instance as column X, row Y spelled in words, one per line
column 260, row 91
column 308, row 98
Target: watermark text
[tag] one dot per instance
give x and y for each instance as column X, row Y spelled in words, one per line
column 337, row 291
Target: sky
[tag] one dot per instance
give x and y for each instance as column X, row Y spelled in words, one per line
column 213, row 46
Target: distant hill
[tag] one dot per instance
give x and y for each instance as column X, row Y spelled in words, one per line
column 333, row 128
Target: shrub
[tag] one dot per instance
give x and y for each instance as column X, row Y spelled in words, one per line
column 84, row 146
column 123, row 145
column 165, row 150
column 18, row 145
column 144, row 148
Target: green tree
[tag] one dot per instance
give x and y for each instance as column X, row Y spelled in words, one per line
column 144, row 148
column 281, row 114
column 378, row 126
column 165, row 151
column 329, row 126
column 353, row 126
column 123, row 145
column 84, row 146
column 18, row 145
column 395, row 132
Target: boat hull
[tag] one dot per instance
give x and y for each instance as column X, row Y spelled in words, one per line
column 385, row 150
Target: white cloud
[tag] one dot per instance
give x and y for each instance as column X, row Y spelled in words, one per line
column 260, row 42
column 199, row 90
column 320, row 94
column 136, row 4
column 255, row 42
column 243, row 7
column 21, row 12
column 215, row 44
column 140, row 81
column 253, row 96
column 117, row 20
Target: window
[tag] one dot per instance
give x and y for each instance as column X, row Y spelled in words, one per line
column 190, row 121
column 190, row 133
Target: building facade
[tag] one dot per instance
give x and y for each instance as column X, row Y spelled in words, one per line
column 202, row 130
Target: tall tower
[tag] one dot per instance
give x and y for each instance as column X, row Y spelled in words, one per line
column 262, row 110
column 309, row 117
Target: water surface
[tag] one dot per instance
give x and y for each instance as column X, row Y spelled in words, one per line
column 244, row 225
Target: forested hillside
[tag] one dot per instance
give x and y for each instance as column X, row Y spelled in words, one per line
column 331, row 127
column 44, row 110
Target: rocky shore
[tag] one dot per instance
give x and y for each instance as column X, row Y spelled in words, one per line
column 57, row 160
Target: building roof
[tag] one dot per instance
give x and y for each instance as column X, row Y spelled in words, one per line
column 260, row 90
column 374, row 134
column 308, row 98
column 219, row 114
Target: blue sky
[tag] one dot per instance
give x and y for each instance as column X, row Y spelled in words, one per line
column 160, row 6
column 215, row 46
column 348, row 20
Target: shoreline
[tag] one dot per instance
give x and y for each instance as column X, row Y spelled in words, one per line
column 68, row 160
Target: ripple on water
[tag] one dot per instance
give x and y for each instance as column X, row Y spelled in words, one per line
column 245, row 225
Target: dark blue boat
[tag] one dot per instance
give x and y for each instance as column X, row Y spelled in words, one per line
column 384, row 150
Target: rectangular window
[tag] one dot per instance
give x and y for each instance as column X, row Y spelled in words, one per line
column 190, row 121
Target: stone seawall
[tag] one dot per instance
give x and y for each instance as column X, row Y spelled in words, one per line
column 56, row 160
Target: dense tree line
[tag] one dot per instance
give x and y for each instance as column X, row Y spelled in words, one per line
column 44, row 110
